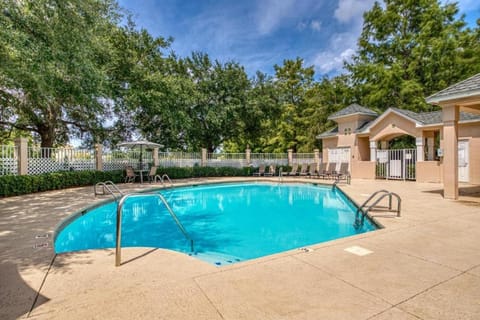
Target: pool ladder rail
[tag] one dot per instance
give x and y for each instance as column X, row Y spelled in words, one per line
column 161, row 179
column 109, row 186
column 369, row 204
column 118, row 249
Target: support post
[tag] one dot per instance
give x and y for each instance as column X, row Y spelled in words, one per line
column 22, row 155
column 419, row 144
column 450, row 116
column 155, row 157
column 204, row 157
column 316, row 153
column 373, row 151
column 290, row 157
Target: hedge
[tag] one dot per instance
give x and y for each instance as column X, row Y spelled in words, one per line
column 11, row 185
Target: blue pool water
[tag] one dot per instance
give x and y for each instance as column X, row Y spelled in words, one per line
column 228, row 222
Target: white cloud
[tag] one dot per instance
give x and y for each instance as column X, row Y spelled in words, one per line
column 271, row 13
column 316, row 25
column 352, row 10
column 329, row 61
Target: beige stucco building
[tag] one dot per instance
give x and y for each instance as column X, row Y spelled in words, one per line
column 447, row 142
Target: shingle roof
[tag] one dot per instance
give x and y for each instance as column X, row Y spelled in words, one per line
column 423, row 119
column 465, row 88
column 329, row 133
column 434, row 117
column 352, row 109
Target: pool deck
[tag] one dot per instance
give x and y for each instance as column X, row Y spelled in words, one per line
column 424, row 265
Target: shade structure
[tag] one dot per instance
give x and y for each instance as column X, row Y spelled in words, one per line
column 139, row 144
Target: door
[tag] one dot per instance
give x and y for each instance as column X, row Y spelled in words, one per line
column 463, row 166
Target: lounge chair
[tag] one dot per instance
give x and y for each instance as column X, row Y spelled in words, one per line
column 303, row 169
column 261, row 171
column 130, row 175
column 322, row 171
column 343, row 173
column 312, row 170
column 271, row 171
column 294, row 170
column 332, row 170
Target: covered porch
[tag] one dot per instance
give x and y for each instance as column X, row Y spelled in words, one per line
column 460, row 97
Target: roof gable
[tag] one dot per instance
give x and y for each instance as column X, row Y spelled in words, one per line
column 352, row 109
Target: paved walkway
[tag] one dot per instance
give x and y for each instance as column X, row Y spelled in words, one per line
column 424, row 265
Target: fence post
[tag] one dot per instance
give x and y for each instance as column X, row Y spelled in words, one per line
column 98, row 157
column 290, row 157
column 22, row 155
column 317, row 158
column 247, row 155
column 204, row 157
column 155, row 157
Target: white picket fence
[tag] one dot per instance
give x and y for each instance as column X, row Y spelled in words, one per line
column 43, row 160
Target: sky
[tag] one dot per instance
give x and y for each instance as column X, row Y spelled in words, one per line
column 261, row 33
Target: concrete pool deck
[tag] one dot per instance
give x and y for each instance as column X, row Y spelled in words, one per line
column 424, row 265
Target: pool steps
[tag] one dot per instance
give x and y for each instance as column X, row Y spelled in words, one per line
column 118, row 250
column 362, row 211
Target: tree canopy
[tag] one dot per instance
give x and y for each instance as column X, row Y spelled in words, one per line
column 83, row 69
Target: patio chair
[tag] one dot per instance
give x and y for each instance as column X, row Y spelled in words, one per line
column 294, row 170
column 271, row 171
column 261, row 171
column 322, row 171
column 303, row 169
column 130, row 175
column 153, row 176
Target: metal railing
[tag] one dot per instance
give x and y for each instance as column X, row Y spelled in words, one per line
column 118, row 249
column 365, row 207
column 109, row 186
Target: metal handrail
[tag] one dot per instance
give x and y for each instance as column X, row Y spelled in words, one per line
column 168, row 178
column 384, row 193
column 107, row 185
column 118, row 247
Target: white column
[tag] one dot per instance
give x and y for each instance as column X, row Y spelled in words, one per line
column 373, row 151
column 419, row 143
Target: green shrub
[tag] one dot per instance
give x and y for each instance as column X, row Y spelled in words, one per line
column 11, row 185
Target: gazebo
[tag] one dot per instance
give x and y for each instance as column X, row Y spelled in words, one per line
column 462, row 96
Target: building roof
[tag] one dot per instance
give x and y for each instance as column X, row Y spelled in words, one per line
column 434, row 117
column 352, row 109
column 329, row 133
column 462, row 89
column 422, row 119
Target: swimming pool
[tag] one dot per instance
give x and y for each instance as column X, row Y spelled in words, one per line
column 227, row 222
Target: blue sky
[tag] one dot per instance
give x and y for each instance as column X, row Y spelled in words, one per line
column 261, row 33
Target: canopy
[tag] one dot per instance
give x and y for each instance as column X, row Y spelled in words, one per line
column 140, row 144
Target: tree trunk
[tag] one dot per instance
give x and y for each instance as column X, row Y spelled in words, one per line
column 47, row 137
